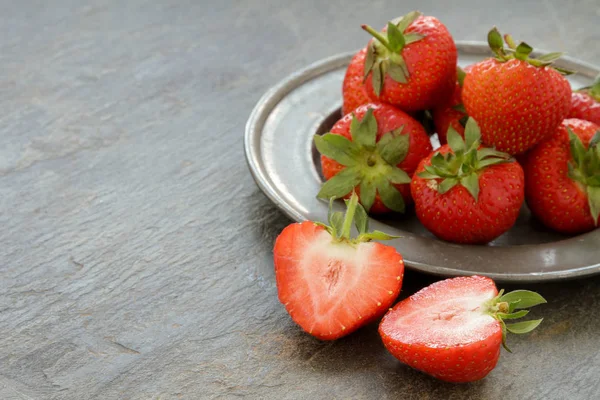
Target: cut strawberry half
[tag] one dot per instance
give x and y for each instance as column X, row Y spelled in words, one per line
column 453, row 329
column 330, row 283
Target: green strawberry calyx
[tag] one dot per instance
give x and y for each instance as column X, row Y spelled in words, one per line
column 340, row 224
column 384, row 54
column 463, row 165
column 521, row 52
column 504, row 307
column 370, row 164
column 584, row 167
column 594, row 90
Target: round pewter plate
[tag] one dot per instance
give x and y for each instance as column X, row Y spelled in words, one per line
column 285, row 165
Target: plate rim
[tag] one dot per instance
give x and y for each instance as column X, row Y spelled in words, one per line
column 276, row 93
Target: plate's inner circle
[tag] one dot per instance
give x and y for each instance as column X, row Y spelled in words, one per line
column 527, row 229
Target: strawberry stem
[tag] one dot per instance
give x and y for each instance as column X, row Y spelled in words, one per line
column 349, row 217
column 378, row 36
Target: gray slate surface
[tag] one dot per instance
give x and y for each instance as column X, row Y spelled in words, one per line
column 135, row 249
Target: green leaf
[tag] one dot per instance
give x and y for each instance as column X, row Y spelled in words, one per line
column 495, row 40
column 406, row 20
column 526, row 298
column 336, row 221
column 471, row 183
column 396, row 73
column 364, row 132
column 369, row 59
column 400, row 61
column 518, row 314
column 376, row 235
column 455, row 141
column 503, row 326
column 472, row 134
column 390, row 196
column 398, row 176
column 341, row 184
column 337, row 147
column 412, row 38
column 577, row 149
column 427, row 175
column 548, row 58
column 510, row 41
column 593, row 193
column 438, row 161
column 523, row 51
column 447, row 184
column 523, row 327
column 395, row 150
column 489, row 152
column 361, row 220
column 395, row 38
column 377, row 79
column 367, row 193
column 490, row 161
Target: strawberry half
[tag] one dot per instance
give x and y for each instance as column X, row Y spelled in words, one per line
column 373, row 151
column 453, row 328
column 331, row 284
column 466, row 193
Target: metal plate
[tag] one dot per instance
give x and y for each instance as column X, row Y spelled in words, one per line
column 283, row 161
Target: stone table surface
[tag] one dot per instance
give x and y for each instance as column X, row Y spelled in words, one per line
column 135, row 249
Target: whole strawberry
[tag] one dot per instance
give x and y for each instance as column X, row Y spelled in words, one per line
column 373, row 151
column 354, row 92
column 585, row 103
column 562, row 176
column 453, row 329
column 330, row 283
column 412, row 64
column 465, row 193
column 452, row 112
column 517, row 100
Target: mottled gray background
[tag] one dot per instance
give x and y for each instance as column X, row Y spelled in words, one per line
column 135, row 249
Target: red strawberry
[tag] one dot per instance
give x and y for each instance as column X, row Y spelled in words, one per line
column 562, row 176
column 331, row 284
column 354, row 91
column 464, row 193
column 453, row 329
column 452, row 112
column 517, row 100
column 412, row 66
column 585, row 103
column 373, row 151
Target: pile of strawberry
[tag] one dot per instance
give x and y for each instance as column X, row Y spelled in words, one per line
column 507, row 107
column 379, row 158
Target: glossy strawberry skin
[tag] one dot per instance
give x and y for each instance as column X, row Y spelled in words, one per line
column 455, row 216
column 552, row 196
column 431, row 64
column 388, row 119
column 424, row 343
column 354, row 92
column 584, row 106
column 516, row 104
column 321, row 292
